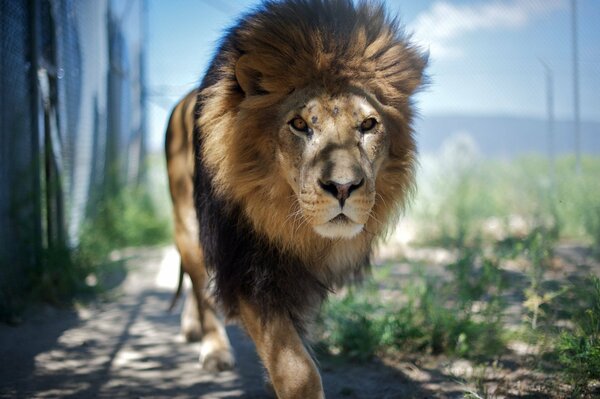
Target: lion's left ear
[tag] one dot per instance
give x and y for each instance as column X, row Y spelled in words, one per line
column 248, row 77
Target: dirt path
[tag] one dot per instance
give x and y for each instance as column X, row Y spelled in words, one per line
column 130, row 347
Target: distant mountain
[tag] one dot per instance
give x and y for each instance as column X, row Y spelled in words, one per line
column 503, row 136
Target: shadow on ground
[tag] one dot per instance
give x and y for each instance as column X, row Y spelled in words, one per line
column 130, row 348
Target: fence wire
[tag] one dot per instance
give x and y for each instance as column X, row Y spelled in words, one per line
column 72, row 125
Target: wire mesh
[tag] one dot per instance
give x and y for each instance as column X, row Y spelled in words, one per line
column 71, row 120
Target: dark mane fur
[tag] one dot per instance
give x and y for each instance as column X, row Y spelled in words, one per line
column 244, row 262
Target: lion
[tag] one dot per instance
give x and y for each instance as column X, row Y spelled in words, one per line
column 286, row 166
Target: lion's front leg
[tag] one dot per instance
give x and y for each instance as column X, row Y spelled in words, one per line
column 292, row 371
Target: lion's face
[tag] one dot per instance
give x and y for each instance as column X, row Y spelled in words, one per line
column 330, row 150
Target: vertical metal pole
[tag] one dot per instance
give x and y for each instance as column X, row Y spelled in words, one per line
column 576, row 88
column 144, row 100
column 37, row 143
column 550, row 116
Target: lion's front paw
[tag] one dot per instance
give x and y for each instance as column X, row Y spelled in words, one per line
column 217, row 361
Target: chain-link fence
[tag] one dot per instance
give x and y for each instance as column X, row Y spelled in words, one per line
column 71, row 121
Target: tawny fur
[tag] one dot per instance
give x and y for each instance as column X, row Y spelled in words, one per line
column 371, row 57
column 258, row 227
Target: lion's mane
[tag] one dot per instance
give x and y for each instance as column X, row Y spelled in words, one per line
column 242, row 201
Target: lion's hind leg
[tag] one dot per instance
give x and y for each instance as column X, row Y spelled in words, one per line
column 191, row 328
column 215, row 350
column 200, row 322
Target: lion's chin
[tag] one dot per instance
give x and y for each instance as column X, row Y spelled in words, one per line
column 339, row 227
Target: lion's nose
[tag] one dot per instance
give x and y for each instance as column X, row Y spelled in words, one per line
column 341, row 191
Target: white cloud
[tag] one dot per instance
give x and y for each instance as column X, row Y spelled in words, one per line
column 443, row 22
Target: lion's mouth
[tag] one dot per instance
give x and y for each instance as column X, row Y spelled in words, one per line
column 340, row 226
column 340, row 219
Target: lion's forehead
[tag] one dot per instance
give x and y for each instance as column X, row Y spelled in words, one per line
column 334, row 148
column 338, row 109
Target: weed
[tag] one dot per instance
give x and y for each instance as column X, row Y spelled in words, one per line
column 537, row 247
column 61, row 272
column 579, row 349
column 477, row 380
column 129, row 218
column 592, row 226
column 61, row 275
column 437, row 317
column 352, row 326
column 476, row 278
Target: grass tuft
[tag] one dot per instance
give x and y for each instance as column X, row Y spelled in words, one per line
column 579, row 349
column 431, row 319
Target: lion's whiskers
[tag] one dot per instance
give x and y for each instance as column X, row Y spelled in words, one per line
column 372, row 216
column 293, row 214
column 303, row 222
column 296, row 216
column 382, row 199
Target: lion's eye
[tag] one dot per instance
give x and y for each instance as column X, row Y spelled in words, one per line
column 368, row 124
column 299, row 124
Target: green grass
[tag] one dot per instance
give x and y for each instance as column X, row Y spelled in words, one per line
column 579, row 348
column 454, row 203
column 434, row 316
column 592, row 223
column 128, row 219
column 353, row 326
column 130, row 216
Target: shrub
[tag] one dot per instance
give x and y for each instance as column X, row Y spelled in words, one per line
column 437, row 317
column 353, row 326
column 128, row 218
column 592, row 226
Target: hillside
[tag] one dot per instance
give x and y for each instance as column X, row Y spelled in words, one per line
column 502, row 136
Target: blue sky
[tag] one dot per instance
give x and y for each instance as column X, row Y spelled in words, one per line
column 484, row 54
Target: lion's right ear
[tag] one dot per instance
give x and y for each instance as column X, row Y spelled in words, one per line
column 248, row 77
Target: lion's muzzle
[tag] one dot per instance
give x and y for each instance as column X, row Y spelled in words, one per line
column 341, row 186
